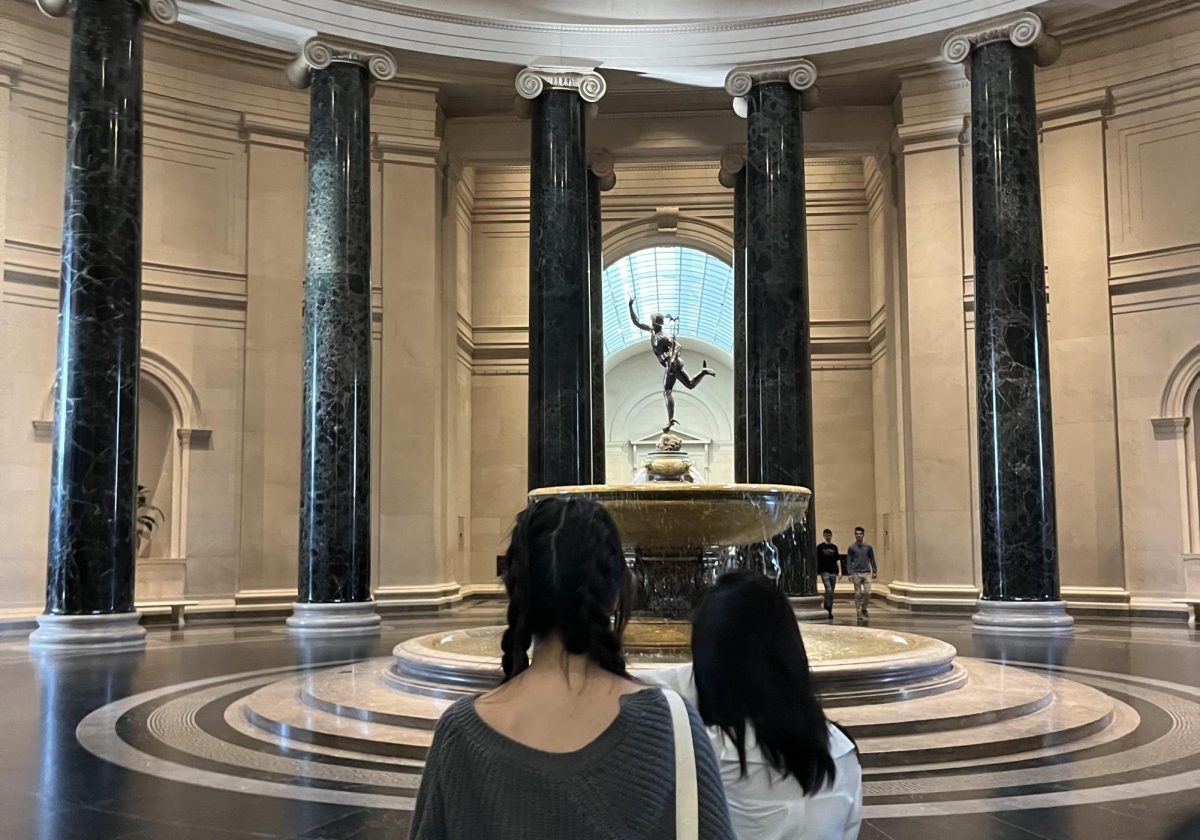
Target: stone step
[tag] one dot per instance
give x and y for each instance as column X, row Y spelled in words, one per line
column 1076, row 711
column 279, row 710
column 990, row 693
column 1000, row 711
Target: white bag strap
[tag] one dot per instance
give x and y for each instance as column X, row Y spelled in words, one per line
column 687, row 798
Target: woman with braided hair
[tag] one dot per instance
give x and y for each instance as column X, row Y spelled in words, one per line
column 569, row 746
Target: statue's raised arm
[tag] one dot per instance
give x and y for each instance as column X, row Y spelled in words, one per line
column 633, row 317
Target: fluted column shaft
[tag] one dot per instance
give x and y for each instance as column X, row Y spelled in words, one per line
column 777, row 328
column 335, row 488
column 560, row 343
column 1016, row 452
column 93, row 481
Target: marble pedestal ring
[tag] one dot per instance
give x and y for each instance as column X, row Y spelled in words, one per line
column 348, row 618
column 1035, row 618
column 103, row 632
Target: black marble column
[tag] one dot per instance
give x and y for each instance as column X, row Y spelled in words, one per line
column 560, row 338
column 335, row 481
column 596, row 326
column 1016, row 453
column 93, row 481
column 779, row 370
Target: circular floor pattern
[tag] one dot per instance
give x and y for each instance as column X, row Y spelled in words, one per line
column 203, row 733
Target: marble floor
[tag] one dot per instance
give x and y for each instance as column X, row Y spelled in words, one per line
column 183, row 767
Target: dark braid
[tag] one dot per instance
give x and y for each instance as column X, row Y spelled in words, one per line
column 517, row 638
column 565, row 574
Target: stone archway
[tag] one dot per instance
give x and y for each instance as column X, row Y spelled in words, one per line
column 172, row 422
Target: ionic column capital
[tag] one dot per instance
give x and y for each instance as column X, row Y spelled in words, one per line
column 800, row 73
column 733, row 161
column 1023, row 30
column 602, row 165
column 318, row 53
column 163, row 11
column 585, row 81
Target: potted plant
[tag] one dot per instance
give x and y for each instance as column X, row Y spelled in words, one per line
column 149, row 517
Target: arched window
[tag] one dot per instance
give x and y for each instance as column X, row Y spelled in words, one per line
column 694, row 286
column 697, row 288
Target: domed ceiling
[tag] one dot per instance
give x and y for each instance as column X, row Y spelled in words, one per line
column 691, row 42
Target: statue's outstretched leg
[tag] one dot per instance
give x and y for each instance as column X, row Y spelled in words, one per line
column 690, row 382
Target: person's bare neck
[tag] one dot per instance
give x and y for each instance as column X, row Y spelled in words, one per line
column 561, row 702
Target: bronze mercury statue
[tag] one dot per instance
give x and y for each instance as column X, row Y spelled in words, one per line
column 666, row 349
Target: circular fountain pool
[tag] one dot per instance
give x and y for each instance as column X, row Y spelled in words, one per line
column 850, row 665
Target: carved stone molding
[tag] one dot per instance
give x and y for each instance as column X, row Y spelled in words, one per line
column 1023, row 30
column 601, row 162
column 163, row 11
column 585, row 81
column 733, row 161
column 1169, row 428
column 800, row 73
column 317, row 54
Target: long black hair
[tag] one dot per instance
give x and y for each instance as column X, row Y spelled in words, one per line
column 751, row 669
column 565, row 574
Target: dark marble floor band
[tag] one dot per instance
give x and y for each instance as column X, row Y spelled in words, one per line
column 335, row 488
column 93, row 484
column 1016, row 452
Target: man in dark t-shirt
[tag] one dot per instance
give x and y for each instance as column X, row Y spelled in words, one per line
column 827, row 567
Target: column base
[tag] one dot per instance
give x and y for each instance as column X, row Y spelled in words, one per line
column 1028, row 617
column 809, row 607
column 104, row 632
column 346, row 618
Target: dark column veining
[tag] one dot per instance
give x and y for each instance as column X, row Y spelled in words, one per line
column 1016, row 451
column 777, row 327
column 335, row 480
column 1020, row 591
column 93, row 481
column 560, row 305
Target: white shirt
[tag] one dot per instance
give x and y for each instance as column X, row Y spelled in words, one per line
column 765, row 806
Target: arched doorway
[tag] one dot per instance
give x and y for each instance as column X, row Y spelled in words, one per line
column 156, row 464
column 697, row 288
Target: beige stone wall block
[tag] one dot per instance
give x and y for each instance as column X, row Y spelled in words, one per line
column 270, row 469
column 843, row 449
column 500, row 278
column 499, row 430
column 838, row 268
column 411, row 530
column 1149, row 341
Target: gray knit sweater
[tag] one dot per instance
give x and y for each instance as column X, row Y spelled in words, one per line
column 481, row 785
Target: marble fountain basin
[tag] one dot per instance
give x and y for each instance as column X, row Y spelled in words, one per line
column 849, row 664
column 677, row 518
